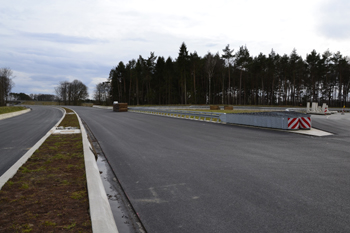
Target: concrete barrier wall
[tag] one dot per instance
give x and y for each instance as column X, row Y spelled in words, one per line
column 276, row 120
column 260, row 121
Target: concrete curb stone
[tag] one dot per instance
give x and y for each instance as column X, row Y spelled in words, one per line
column 102, row 219
column 13, row 114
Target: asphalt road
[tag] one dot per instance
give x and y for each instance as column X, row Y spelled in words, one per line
column 18, row 134
column 335, row 123
column 190, row 176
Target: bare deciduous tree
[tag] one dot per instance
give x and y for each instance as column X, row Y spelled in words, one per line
column 6, row 84
column 102, row 92
column 71, row 93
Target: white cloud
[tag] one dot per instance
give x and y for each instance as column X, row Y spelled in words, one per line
column 67, row 40
column 333, row 20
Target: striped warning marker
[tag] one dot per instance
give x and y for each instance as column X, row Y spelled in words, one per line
column 293, row 123
column 305, row 122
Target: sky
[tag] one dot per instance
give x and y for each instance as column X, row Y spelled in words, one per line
column 45, row 42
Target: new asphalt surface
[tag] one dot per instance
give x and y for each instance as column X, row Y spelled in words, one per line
column 18, row 134
column 191, row 176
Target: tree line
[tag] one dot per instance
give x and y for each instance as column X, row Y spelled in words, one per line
column 35, row 97
column 67, row 93
column 234, row 77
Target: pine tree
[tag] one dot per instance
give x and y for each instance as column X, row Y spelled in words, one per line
column 242, row 61
column 228, row 56
column 183, row 63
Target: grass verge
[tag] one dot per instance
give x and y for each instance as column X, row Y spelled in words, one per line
column 70, row 119
column 48, row 193
column 40, row 103
column 4, row 110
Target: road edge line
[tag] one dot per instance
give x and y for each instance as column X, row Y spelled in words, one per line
column 14, row 168
column 101, row 215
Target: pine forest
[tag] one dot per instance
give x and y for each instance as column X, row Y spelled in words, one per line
column 232, row 78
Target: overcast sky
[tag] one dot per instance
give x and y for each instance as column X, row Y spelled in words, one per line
column 48, row 41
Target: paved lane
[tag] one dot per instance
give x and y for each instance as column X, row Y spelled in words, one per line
column 189, row 176
column 18, row 134
column 335, row 123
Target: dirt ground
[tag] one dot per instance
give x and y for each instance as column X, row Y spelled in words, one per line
column 48, row 193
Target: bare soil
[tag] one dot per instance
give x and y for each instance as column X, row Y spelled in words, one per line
column 48, row 193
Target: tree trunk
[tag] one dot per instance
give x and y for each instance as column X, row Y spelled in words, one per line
column 340, row 90
column 194, row 86
column 209, row 90
column 229, row 86
column 130, row 91
column 223, row 90
column 240, row 88
column 272, row 91
column 169, row 91
column 137, row 92
column 262, row 92
column 185, row 92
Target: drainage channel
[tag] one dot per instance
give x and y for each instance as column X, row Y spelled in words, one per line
column 124, row 214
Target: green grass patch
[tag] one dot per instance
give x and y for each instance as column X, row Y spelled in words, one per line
column 10, row 182
column 71, row 226
column 40, row 103
column 25, row 186
column 49, row 223
column 65, row 182
column 70, row 119
column 4, row 110
column 78, row 195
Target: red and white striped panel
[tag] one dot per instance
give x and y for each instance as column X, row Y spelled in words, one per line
column 305, row 122
column 293, row 123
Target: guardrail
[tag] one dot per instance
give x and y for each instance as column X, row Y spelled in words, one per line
column 287, row 120
column 191, row 115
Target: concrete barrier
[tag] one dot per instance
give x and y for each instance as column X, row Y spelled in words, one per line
column 315, row 109
column 276, row 120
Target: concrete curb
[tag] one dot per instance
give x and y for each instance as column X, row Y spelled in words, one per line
column 13, row 170
column 13, row 114
column 102, row 219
